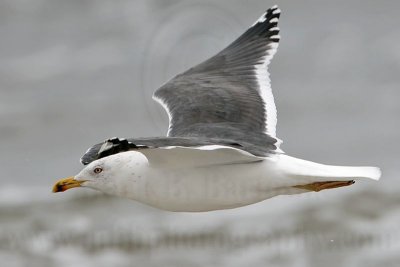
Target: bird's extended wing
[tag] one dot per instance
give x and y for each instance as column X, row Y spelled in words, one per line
column 229, row 95
column 203, row 156
column 117, row 145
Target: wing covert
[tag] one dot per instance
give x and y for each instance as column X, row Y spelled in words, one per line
column 229, row 95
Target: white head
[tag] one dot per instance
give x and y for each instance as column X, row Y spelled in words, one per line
column 111, row 174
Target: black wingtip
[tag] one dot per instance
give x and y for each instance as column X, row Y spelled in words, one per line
column 269, row 14
column 108, row 147
column 267, row 24
column 272, row 14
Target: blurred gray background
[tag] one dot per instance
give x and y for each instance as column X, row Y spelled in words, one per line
column 73, row 73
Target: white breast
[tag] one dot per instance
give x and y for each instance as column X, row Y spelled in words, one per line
column 209, row 188
column 203, row 186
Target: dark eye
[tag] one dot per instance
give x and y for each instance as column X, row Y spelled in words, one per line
column 97, row 170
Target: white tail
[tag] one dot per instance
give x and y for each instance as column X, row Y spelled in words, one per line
column 314, row 172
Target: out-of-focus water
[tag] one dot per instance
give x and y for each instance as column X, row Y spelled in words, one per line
column 73, row 73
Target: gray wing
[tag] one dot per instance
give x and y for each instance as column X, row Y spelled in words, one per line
column 118, row 145
column 229, row 95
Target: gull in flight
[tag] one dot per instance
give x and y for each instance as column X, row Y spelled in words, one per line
column 221, row 149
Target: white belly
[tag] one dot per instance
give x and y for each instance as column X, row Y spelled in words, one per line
column 220, row 186
column 213, row 187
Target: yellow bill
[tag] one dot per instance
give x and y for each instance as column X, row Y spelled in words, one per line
column 65, row 184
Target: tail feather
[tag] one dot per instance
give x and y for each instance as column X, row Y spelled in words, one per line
column 308, row 171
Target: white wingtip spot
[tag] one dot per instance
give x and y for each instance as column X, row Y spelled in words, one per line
column 276, row 11
column 274, row 7
column 275, row 37
column 274, row 29
column 273, row 20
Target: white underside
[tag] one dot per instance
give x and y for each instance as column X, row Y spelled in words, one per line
column 221, row 186
column 230, row 186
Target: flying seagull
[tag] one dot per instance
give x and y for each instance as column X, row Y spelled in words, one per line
column 221, row 149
